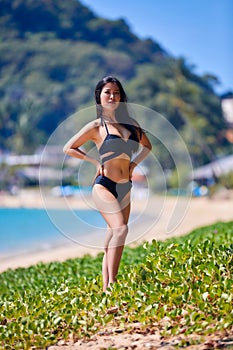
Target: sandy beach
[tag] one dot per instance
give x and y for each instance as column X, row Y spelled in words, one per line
column 153, row 216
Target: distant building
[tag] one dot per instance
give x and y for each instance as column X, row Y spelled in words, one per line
column 227, row 108
column 214, row 169
column 46, row 165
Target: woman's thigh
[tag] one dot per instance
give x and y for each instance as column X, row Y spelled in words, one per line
column 126, row 207
column 108, row 206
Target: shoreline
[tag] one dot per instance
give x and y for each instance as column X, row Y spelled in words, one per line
column 154, row 215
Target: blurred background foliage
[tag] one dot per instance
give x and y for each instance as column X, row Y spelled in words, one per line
column 54, row 52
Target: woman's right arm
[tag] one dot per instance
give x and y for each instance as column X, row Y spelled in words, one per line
column 87, row 133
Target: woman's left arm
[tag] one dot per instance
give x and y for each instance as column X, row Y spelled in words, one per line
column 143, row 153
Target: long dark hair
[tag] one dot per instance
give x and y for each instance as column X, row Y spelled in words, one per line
column 122, row 113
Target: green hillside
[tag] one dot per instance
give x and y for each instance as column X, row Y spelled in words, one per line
column 52, row 55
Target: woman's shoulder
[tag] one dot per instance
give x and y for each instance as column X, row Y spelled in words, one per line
column 92, row 128
column 97, row 122
column 135, row 124
column 137, row 127
column 94, row 124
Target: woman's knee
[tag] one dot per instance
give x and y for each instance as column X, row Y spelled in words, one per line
column 120, row 231
column 119, row 235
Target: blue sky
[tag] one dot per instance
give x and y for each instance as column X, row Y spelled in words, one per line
column 199, row 30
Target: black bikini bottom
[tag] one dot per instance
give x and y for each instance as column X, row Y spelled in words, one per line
column 119, row 190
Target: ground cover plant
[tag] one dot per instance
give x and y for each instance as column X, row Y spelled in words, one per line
column 180, row 286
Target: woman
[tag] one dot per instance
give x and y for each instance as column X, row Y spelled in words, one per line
column 117, row 137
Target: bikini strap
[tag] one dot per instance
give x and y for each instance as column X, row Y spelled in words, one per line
column 106, row 128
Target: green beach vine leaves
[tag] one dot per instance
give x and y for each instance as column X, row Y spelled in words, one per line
column 181, row 285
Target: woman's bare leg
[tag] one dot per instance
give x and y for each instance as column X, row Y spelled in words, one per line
column 105, row 271
column 105, row 263
column 114, row 215
column 114, row 254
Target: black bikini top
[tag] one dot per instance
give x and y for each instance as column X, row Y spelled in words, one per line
column 114, row 146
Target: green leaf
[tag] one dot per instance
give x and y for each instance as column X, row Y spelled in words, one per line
column 205, row 296
column 57, row 321
column 148, row 308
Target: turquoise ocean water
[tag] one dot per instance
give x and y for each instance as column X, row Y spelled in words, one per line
column 26, row 230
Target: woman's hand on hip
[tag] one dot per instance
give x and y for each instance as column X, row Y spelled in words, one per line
column 99, row 170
